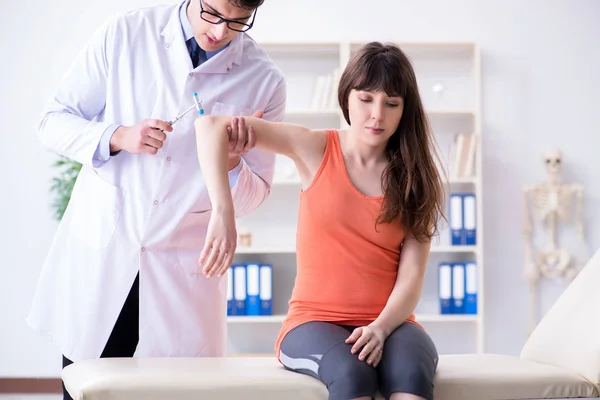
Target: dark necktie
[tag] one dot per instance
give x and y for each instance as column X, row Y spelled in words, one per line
column 196, row 53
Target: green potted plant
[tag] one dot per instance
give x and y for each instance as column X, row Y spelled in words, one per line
column 62, row 184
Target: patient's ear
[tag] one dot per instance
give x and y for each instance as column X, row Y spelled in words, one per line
column 258, row 114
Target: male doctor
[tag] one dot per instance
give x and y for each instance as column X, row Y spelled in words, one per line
column 122, row 276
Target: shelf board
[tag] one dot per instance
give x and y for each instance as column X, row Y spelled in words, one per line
column 286, row 182
column 446, row 317
column 300, row 47
column 451, row 112
column 466, row 179
column 272, row 319
column 255, row 319
column 292, row 250
column 426, row 45
column 453, row 249
column 265, row 250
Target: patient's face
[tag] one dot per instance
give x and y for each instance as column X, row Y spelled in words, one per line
column 374, row 116
column 212, row 37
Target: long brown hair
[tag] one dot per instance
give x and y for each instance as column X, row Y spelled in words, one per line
column 414, row 192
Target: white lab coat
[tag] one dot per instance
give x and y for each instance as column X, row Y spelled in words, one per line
column 141, row 212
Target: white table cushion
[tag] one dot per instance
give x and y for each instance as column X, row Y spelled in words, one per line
column 459, row 377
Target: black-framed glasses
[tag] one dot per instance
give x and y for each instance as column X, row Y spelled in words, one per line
column 231, row 24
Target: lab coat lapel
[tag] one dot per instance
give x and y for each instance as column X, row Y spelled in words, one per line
column 174, row 41
column 178, row 64
column 223, row 62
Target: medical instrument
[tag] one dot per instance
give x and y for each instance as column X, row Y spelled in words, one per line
column 177, row 118
column 197, row 105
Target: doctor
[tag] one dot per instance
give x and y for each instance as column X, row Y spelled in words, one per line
column 122, row 276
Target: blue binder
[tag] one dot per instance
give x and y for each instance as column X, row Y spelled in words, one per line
column 456, row 219
column 471, row 283
column 470, row 219
column 445, row 287
column 458, row 288
column 252, row 289
column 266, row 289
column 239, row 289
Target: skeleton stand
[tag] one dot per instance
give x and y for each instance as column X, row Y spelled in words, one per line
column 550, row 202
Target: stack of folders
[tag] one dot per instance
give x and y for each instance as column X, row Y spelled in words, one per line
column 249, row 289
column 463, row 219
column 458, row 287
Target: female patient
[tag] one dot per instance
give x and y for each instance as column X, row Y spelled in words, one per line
column 369, row 207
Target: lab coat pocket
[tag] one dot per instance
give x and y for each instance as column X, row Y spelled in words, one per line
column 96, row 210
column 229, row 109
column 190, row 237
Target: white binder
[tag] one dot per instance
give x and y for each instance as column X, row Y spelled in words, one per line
column 266, row 289
column 239, row 289
column 458, row 288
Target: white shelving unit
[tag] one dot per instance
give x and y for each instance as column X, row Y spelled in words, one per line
column 455, row 66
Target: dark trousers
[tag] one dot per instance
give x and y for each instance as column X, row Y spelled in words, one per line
column 124, row 337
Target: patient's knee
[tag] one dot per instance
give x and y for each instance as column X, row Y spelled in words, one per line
column 345, row 375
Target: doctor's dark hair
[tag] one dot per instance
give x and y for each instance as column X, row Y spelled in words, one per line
column 414, row 192
column 247, row 4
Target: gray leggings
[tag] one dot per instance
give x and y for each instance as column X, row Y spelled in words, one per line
column 318, row 349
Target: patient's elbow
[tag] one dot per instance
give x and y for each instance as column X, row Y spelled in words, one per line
column 205, row 124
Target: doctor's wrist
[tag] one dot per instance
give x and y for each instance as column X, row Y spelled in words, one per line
column 116, row 139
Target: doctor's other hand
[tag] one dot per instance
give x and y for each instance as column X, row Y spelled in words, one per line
column 220, row 243
column 241, row 138
column 147, row 136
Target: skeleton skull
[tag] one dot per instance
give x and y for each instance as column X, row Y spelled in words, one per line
column 552, row 161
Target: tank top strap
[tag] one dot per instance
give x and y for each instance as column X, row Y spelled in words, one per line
column 334, row 150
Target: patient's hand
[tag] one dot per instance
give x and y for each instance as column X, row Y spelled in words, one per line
column 220, row 243
column 369, row 340
column 241, row 139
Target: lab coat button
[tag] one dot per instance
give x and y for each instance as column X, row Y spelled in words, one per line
column 169, row 158
column 191, row 74
column 143, row 249
column 167, row 45
column 155, row 202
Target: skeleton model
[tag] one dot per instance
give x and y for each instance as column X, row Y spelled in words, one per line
column 550, row 203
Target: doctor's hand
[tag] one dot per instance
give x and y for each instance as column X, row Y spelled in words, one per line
column 220, row 243
column 146, row 136
column 241, row 139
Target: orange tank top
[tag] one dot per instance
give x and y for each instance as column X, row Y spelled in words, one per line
column 346, row 266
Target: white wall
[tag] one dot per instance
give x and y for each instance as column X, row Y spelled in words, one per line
column 540, row 89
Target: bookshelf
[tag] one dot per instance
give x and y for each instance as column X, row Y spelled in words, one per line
column 449, row 81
